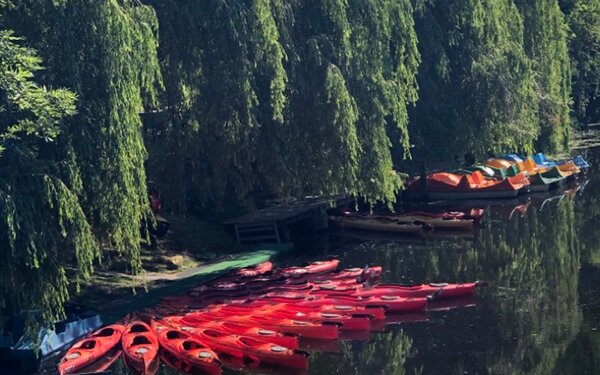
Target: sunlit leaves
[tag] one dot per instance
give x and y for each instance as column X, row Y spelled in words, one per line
column 42, row 224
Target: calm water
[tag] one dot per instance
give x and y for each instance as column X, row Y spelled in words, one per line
column 539, row 315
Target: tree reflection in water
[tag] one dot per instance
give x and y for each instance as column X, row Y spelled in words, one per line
column 540, row 314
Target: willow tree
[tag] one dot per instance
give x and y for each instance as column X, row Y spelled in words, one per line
column 105, row 51
column 583, row 17
column 546, row 43
column 284, row 97
column 42, row 225
column 477, row 88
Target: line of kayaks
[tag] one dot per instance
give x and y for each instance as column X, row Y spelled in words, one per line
column 503, row 177
column 259, row 317
column 413, row 222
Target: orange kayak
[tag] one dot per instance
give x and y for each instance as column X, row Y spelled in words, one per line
column 283, row 339
column 277, row 312
column 440, row 290
column 187, row 348
column 376, row 313
column 90, row 349
column 259, row 269
column 293, row 326
column 389, row 303
column 140, row 347
column 253, row 349
column 313, row 268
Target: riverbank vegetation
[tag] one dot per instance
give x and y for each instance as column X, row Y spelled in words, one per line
column 223, row 103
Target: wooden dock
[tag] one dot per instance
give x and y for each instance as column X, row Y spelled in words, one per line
column 271, row 224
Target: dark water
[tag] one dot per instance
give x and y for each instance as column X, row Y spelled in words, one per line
column 539, row 315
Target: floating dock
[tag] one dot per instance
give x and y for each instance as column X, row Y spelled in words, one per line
column 271, row 224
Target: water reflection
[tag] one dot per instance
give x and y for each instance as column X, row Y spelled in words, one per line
column 383, row 353
column 540, row 314
column 530, row 314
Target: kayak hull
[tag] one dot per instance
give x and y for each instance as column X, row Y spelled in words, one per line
column 140, row 347
column 89, row 350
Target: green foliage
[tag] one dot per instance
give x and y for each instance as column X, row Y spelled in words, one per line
column 383, row 353
column 42, row 225
column 105, row 51
column 290, row 98
column 526, row 317
column 584, row 49
column 476, row 83
column 545, row 42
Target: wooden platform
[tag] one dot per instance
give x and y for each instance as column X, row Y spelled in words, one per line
column 270, row 224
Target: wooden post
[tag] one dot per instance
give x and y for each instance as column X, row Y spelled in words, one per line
column 423, row 180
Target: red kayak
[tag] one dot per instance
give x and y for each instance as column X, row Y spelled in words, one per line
column 259, row 351
column 293, row 326
column 313, row 268
column 439, row 290
column 389, row 303
column 259, row 269
column 283, row 339
column 335, row 306
column 374, row 313
column 187, row 348
column 140, row 347
column 352, row 322
column 277, row 312
column 90, row 349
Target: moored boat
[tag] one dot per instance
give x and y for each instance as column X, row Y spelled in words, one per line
column 91, row 349
column 438, row 290
column 541, row 160
column 251, row 348
column 317, row 267
column 140, row 347
column 259, row 269
column 376, row 224
column 548, row 180
column 444, row 185
column 417, row 221
column 187, row 348
column 275, row 337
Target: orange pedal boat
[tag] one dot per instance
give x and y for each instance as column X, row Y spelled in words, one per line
column 444, row 185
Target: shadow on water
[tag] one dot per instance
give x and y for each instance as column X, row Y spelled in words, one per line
column 539, row 315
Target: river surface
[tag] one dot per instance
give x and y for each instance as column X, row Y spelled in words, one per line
column 540, row 313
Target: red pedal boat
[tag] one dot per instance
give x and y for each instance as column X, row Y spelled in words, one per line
column 313, row 268
column 257, row 350
column 140, row 347
column 90, row 349
column 187, row 348
column 442, row 185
